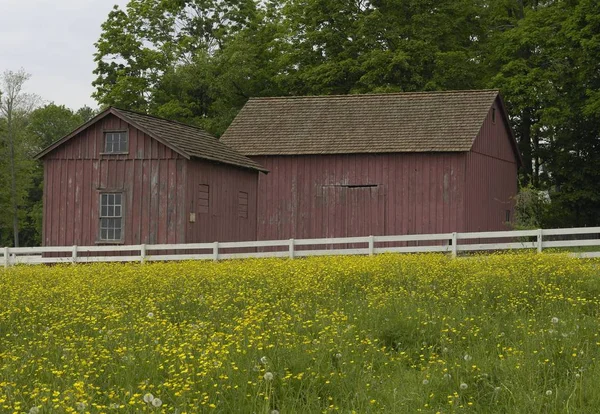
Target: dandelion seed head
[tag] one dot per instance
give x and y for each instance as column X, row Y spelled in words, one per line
column 338, row 355
column 148, row 398
column 425, row 381
column 268, row 376
column 549, row 393
column 447, row 376
column 263, row 360
column 150, row 314
column 577, row 375
column 463, row 386
column 554, row 320
column 80, row 406
column 34, row 410
column 468, row 357
column 157, row 402
column 274, row 411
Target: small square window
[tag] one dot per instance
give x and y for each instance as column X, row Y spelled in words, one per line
column 507, row 216
column 116, row 142
column 111, row 217
column 494, row 115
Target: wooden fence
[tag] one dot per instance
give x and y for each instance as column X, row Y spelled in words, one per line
column 583, row 238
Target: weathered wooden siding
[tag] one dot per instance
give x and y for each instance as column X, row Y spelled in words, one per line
column 359, row 195
column 491, row 179
column 151, row 176
column 220, row 214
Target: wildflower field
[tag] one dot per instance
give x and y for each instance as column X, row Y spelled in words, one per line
column 393, row 333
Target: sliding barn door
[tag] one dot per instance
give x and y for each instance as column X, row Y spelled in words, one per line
column 353, row 211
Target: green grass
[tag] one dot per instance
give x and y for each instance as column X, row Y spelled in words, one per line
column 507, row 333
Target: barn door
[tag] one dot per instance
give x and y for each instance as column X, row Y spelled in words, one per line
column 353, row 211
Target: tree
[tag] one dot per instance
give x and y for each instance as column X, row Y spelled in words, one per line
column 14, row 107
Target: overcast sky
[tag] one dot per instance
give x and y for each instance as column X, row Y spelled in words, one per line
column 53, row 40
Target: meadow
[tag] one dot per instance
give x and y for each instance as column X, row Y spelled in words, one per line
column 508, row 333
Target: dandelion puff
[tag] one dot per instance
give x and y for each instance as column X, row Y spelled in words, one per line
column 34, row 410
column 264, row 360
column 447, row 376
column 468, row 357
column 549, row 393
column 157, row 402
column 338, row 355
column 425, row 381
column 463, row 386
column 268, row 376
column 274, row 411
column 148, row 398
column 150, row 314
column 81, row 406
column 554, row 320
column 114, row 406
column 577, row 375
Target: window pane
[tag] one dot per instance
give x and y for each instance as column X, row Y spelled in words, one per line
column 103, row 234
column 117, row 199
column 110, row 234
column 103, row 211
column 118, row 234
column 104, row 200
column 111, row 211
column 117, row 211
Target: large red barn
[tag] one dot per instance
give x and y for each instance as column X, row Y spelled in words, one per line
column 129, row 178
column 380, row 164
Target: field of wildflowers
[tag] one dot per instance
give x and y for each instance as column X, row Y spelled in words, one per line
column 393, row 333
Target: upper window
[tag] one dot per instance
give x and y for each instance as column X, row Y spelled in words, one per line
column 116, row 142
column 111, row 216
column 494, row 115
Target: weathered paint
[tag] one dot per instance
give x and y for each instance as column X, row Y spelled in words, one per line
column 219, row 220
column 359, row 195
column 491, row 179
column 313, row 196
column 154, row 181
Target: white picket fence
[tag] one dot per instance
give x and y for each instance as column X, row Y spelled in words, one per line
column 452, row 243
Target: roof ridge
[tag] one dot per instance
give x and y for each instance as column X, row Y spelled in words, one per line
column 376, row 94
column 166, row 120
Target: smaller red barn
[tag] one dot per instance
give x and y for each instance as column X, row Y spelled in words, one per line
column 130, row 178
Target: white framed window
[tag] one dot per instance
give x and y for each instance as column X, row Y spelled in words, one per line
column 111, row 216
column 116, row 142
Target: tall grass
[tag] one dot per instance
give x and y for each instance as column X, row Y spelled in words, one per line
column 397, row 334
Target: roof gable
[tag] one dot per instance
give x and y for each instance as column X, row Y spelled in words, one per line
column 188, row 141
column 372, row 123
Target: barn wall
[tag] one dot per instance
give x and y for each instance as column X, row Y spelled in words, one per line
column 491, row 177
column 315, row 195
column 220, row 214
column 151, row 177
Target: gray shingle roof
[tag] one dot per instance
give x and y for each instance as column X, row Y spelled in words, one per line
column 189, row 140
column 373, row 123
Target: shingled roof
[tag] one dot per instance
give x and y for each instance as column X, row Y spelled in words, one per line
column 373, row 123
column 189, row 141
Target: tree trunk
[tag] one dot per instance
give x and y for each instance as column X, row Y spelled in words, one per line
column 13, row 180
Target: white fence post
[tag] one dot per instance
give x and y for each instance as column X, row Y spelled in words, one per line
column 539, row 240
column 6, row 257
column 74, row 255
column 216, row 251
column 371, row 245
column 142, row 253
column 454, row 245
column 291, row 248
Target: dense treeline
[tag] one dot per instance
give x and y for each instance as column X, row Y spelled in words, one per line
column 198, row 61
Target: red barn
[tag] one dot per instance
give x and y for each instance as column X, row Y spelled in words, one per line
column 380, row 164
column 129, row 178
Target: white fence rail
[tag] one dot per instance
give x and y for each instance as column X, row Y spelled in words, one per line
column 452, row 243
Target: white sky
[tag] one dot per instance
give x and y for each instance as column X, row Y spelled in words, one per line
column 53, row 40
